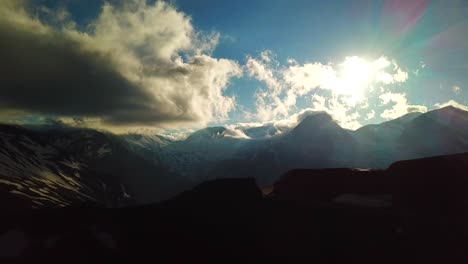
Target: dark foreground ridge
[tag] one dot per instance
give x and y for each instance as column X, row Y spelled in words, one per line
column 413, row 212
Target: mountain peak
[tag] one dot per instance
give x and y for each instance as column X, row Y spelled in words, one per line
column 450, row 109
column 207, row 133
column 315, row 120
column 447, row 113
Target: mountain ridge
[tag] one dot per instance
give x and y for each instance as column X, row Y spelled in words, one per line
column 154, row 168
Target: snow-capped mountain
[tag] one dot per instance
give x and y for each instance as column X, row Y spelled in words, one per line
column 59, row 166
column 379, row 143
column 262, row 131
column 316, row 142
column 438, row 132
column 196, row 155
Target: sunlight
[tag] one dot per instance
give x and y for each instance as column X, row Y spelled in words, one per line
column 355, row 75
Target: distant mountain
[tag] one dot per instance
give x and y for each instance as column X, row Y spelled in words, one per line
column 378, row 144
column 151, row 142
column 438, row 132
column 209, row 133
column 390, row 130
column 318, row 142
column 148, row 147
column 415, row 135
column 261, row 132
column 196, row 155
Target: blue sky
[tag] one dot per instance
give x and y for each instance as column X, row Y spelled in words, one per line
column 422, row 45
column 325, row 31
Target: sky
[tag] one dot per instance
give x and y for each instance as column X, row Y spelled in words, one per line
column 182, row 65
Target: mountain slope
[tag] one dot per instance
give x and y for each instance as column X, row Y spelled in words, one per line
column 438, row 132
column 59, row 167
column 379, row 143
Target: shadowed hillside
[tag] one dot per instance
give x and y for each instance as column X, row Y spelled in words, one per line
column 412, row 212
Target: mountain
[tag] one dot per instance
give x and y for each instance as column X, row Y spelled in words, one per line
column 438, row 132
column 390, row 130
column 206, row 134
column 148, row 147
column 379, row 143
column 261, row 132
column 114, row 170
column 415, row 135
column 60, row 167
column 316, row 142
column 150, row 142
column 196, row 155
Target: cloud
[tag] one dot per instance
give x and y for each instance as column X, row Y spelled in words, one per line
column 261, row 69
column 456, row 89
column 400, row 76
column 303, row 79
column 370, row 115
column 343, row 90
column 400, row 105
column 345, row 115
column 452, row 103
column 234, row 131
column 139, row 64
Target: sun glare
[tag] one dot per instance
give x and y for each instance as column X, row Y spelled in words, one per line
column 355, row 75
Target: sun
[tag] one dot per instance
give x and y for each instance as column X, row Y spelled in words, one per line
column 355, row 75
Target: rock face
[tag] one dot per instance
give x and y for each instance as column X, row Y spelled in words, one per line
column 321, row 216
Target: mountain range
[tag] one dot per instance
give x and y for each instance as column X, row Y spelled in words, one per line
column 43, row 166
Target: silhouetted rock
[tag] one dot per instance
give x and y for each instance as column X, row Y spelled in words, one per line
column 221, row 191
column 308, row 185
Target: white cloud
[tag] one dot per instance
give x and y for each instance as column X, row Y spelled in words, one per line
column 349, row 85
column 342, row 113
column 262, row 70
column 268, row 101
column 400, row 76
column 266, row 55
column 400, row 105
column 234, row 131
column 456, row 89
column 303, row 79
column 370, row 115
column 452, row 103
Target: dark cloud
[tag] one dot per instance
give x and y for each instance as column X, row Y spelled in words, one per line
column 126, row 71
column 52, row 74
